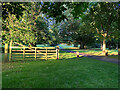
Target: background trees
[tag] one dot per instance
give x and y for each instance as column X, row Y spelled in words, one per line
column 74, row 22
column 78, row 32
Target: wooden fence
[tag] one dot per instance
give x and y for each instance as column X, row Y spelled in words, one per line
column 33, row 53
column 71, row 48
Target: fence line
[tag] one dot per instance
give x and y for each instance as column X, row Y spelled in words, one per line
column 33, row 52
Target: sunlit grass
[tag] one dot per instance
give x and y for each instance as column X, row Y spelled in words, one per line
column 67, row 72
column 97, row 52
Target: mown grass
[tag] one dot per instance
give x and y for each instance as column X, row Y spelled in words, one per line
column 67, row 72
column 114, row 56
column 97, row 52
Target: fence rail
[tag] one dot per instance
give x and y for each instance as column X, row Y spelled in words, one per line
column 26, row 53
column 71, row 48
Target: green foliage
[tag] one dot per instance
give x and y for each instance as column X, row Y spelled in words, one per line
column 15, row 8
column 104, row 18
column 54, row 34
column 77, row 31
column 25, row 29
column 56, row 9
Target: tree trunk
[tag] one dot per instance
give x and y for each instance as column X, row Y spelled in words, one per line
column 109, row 46
column 116, row 46
column 119, row 52
column 104, row 45
column 82, row 46
column 101, row 45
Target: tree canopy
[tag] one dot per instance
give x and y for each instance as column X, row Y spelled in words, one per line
column 74, row 22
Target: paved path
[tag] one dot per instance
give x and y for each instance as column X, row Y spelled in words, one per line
column 102, row 58
column 106, row 59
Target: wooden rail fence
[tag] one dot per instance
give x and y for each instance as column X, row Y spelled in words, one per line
column 31, row 53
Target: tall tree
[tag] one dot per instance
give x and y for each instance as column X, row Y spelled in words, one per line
column 103, row 16
column 30, row 28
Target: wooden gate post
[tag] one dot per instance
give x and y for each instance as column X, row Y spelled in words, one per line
column 6, row 52
column 6, row 48
column 10, row 51
column 46, row 53
column 57, row 52
column 35, row 53
column 23, row 53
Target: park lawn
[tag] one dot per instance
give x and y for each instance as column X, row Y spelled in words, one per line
column 113, row 56
column 97, row 52
column 67, row 72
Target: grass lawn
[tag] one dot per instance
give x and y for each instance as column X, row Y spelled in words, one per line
column 68, row 72
column 113, row 56
column 97, row 52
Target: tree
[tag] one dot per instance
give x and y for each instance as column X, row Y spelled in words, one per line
column 25, row 29
column 103, row 16
column 78, row 32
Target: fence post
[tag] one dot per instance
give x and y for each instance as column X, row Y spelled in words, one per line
column 35, row 53
column 23, row 53
column 46, row 53
column 57, row 52
column 6, row 52
column 10, row 52
column 6, row 48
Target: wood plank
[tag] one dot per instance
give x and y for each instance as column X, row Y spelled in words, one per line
column 29, row 50
column 41, row 58
column 17, row 56
column 10, row 57
column 51, row 50
column 24, row 53
column 30, row 56
column 72, row 48
column 17, row 50
column 51, row 53
column 41, row 53
column 46, row 53
column 51, row 58
column 29, row 53
column 58, row 53
column 44, row 47
column 33, row 47
column 42, row 50
column 35, row 53
column 47, row 50
column 17, row 53
column 18, row 47
column 19, row 59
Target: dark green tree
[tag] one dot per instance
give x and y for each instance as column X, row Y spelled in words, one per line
column 104, row 16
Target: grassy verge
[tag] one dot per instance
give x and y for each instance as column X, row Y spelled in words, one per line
column 68, row 72
column 97, row 52
column 113, row 56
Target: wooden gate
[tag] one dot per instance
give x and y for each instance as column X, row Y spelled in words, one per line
column 33, row 53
